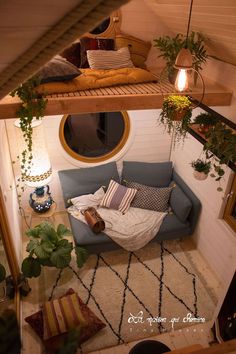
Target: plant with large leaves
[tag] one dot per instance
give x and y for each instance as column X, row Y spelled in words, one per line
column 48, row 246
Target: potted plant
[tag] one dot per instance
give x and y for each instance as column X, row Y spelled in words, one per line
column 49, row 247
column 205, row 121
column 176, row 115
column 170, row 47
column 220, row 147
column 201, row 169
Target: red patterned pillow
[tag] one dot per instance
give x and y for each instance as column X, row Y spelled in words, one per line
column 93, row 325
column 88, row 43
column 72, row 54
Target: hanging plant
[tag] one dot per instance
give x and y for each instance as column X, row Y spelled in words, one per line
column 220, row 148
column 49, row 247
column 176, row 116
column 171, row 46
column 33, row 106
column 201, row 169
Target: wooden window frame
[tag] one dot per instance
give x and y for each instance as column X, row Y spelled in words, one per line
column 98, row 159
column 231, row 221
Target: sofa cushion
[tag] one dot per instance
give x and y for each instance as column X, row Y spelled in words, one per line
column 172, row 227
column 180, row 203
column 150, row 198
column 81, row 181
column 118, row 197
column 151, row 174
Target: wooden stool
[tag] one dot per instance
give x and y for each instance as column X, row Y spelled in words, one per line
column 47, row 215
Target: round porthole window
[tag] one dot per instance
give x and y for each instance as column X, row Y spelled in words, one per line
column 102, row 27
column 94, row 137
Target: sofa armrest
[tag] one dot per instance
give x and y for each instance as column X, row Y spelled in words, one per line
column 196, row 204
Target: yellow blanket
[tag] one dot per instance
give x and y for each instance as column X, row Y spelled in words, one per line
column 91, row 79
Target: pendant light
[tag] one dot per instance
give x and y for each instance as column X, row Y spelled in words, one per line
column 184, row 61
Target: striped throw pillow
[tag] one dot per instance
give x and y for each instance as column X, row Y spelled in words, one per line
column 61, row 315
column 118, row 197
column 109, row 59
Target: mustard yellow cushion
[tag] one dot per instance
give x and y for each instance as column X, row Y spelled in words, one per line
column 138, row 48
column 90, row 79
column 61, row 315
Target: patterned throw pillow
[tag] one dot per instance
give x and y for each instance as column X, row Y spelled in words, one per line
column 93, row 325
column 118, row 197
column 112, row 59
column 88, row 43
column 150, row 198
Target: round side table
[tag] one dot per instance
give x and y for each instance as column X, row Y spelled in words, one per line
column 47, row 215
column 149, row 347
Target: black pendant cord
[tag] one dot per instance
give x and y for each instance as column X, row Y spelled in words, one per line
column 193, row 280
column 55, row 284
column 160, row 325
column 189, row 20
column 93, row 280
column 124, row 295
column 97, row 304
column 132, row 292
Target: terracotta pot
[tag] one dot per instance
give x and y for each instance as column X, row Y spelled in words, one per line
column 201, row 176
column 179, row 115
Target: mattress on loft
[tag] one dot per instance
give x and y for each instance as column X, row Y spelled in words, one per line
column 93, row 79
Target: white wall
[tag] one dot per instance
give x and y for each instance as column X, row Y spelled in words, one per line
column 148, row 142
column 7, row 183
column 226, row 75
column 213, row 237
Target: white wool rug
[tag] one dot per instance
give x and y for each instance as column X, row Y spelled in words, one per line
column 137, row 294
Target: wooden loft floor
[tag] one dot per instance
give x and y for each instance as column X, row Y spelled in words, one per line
column 117, row 98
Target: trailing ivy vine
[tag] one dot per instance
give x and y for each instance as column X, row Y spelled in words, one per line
column 33, row 106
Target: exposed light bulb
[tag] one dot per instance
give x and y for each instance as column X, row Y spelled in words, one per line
column 181, row 82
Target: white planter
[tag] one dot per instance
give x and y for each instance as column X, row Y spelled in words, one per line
column 200, row 175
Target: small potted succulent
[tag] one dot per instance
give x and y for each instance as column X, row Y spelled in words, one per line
column 176, row 115
column 205, row 121
column 201, row 169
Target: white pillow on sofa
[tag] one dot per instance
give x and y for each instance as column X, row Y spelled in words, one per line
column 88, row 200
column 109, row 59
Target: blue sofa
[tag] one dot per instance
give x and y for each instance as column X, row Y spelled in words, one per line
column 184, row 204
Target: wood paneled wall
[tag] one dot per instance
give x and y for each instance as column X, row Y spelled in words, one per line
column 215, row 19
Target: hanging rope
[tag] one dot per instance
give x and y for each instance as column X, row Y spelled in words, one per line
column 83, row 18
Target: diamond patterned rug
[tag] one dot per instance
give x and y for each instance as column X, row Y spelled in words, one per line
column 137, row 294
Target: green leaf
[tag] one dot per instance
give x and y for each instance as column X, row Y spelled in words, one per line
column 46, row 262
column 31, row 267
column 48, row 246
column 33, row 232
column 32, row 245
column 40, row 252
column 62, row 230
column 65, row 244
column 2, row 273
column 61, row 257
column 81, row 256
column 48, row 233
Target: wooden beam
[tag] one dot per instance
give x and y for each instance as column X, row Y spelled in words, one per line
column 107, row 103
